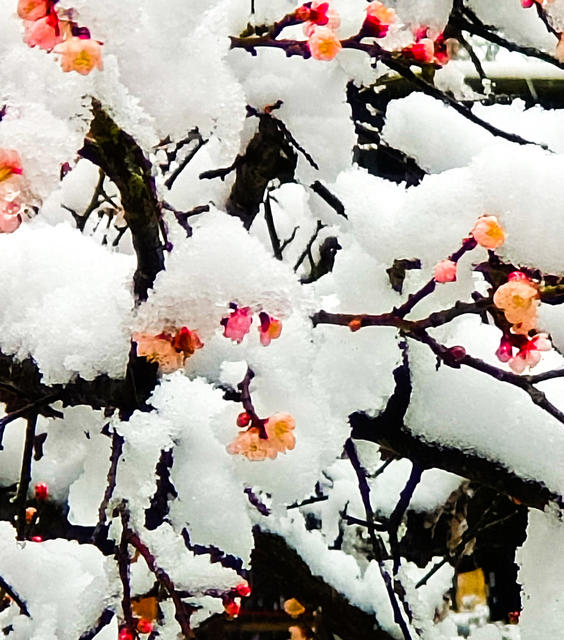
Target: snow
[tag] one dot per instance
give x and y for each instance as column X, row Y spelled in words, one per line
column 66, row 302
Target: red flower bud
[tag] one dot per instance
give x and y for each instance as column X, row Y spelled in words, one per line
column 243, row 419
column 41, row 491
column 243, row 589
column 144, row 626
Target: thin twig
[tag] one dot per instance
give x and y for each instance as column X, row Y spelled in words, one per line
column 20, row 413
column 274, row 239
column 22, row 606
column 117, row 447
column 399, row 511
column 184, row 163
column 164, row 579
column 25, row 476
column 350, row 450
column 123, row 567
column 307, row 250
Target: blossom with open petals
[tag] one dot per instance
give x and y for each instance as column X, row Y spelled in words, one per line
column 488, row 233
column 10, row 218
column 530, row 354
column 270, row 328
column 33, row 9
column 80, row 54
column 518, row 299
column 422, row 51
column 10, row 164
column 276, row 437
column 445, row 271
column 44, row 33
column 237, row 325
column 279, row 429
column 324, row 43
column 318, row 13
column 250, row 444
column 378, row 19
column 169, row 351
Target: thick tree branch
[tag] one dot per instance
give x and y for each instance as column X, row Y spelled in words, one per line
column 121, row 158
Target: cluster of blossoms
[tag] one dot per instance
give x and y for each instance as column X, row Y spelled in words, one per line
column 238, row 323
column 11, row 184
column 169, row 350
column 518, row 298
column 321, row 22
column 53, row 30
column 264, row 438
column 487, row 233
column 232, row 600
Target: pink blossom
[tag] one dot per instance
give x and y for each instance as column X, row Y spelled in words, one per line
column 324, row 43
column 270, row 328
column 80, row 54
column 318, row 14
column 10, row 218
column 445, row 271
column 422, row 51
column 530, row 354
column 237, row 325
column 488, row 233
column 10, row 164
column 378, row 19
column 43, row 33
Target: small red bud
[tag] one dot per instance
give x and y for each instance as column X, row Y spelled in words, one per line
column 517, row 275
column 232, row 608
column 243, row 419
column 457, row 353
column 513, row 617
column 355, row 324
column 144, row 626
column 125, row 634
column 37, row 539
column 41, row 491
column 243, row 590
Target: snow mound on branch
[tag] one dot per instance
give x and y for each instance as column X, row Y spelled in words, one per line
column 51, row 578
column 219, row 264
column 44, row 271
column 181, row 48
column 540, row 575
column 467, row 409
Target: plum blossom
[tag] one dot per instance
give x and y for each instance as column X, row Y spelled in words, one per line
column 530, row 354
column 422, row 51
column 270, row 328
column 324, row 43
column 169, row 351
column 445, row 271
column 488, row 233
column 318, row 13
column 33, row 9
column 10, row 164
column 518, row 299
column 275, row 437
column 44, row 33
column 10, row 218
column 237, row 325
column 378, row 19
column 80, row 54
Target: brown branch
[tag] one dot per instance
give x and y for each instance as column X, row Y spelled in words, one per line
column 164, row 579
column 123, row 161
column 25, row 476
column 22, row 606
